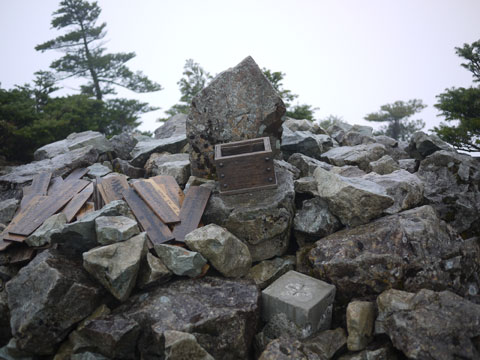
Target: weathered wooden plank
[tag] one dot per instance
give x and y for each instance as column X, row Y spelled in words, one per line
column 157, row 231
column 112, row 188
column 191, row 212
column 14, row 238
column 21, row 254
column 77, row 174
column 173, row 190
column 40, row 183
column 87, row 208
column 74, row 205
column 36, row 215
column 159, row 202
column 97, row 198
column 55, row 184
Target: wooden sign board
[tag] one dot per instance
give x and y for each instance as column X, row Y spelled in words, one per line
column 77, row 174
column 158, row 200
column 77, row 202
column 45, row 208
column 191, row 212
column 112, row 188
column 157, row 231
column 174, row 191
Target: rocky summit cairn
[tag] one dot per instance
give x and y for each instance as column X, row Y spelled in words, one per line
column 239, row 104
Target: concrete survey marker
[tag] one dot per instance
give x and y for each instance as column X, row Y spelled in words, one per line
column 305, row 301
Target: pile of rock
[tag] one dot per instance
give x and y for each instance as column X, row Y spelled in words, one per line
column 367, row 249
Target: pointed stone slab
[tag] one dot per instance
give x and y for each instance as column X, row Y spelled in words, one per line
column 157, row 232
column 77, row 174
column 160, row 203
column 173, row 190
column 112, row 188
column 74, row 205
column 192, row 210
column 47, row 207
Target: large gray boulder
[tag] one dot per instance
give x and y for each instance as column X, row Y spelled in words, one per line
column 222, row 314
column 47, row 298
column 355, row 201
column 152, row 272
column 384, row 165
column 176, row 165
column 96, row 140
column 123, row 144
column 314, row 221
column 59, row 165
column 405, row 188
column 452, row 187
column 182, row 346
column 429, row 324
column 238, row 104
column 222, row 249
column 174, row 126
column 359, row 155
column 422, row 145
column 43, row 235
column 306, row 164
column 116, row 266
column 303, row 125
column 411, row 250
column 304, row 142
column 262, row 219
column 267, row 271
column 112, row 229
column 147, row 146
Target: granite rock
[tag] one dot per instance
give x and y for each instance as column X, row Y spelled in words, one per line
column 359, row 155
column 181, row 261
column 176, row 165
column 7, row 210
column 112, row 229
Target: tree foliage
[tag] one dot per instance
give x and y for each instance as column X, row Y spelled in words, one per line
column 85, row 56
column 461, row 106
column 297, row 111
column 194, row 79
column 397, row 115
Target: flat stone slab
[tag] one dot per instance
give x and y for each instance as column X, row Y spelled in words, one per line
column 306, row 301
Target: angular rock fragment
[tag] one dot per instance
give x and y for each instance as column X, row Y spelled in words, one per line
column 306, row 164
column 98, row 170
column 174, row 126
column 181, row 261
column 452, row 187
column 222, row 314
column 422, row 145
column 304, row 142
column 80, row 236
column 176, row 165
column 238, row 104
column 303, row 125
column 112, row 229
column 7, row 210
column 359, row 155
column 146, row 147
column 116, row 266
column 314, row 221
column 262, row 219
column 222, row 249
column 408, row 164
column 152, row 272
column 352, row 138
column 354, row 201
column 43, row 235
column 360, row 321
column 267, row 271
column 347, row 171
column 430, row 325
column 47, row 298
column 123, row 167
column 413, row 249
column 181, row 346
column 406, row 189
column 123, row 144
column 384, row 165
column 306, row 185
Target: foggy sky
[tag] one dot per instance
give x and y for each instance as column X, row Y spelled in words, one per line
column 347, row 57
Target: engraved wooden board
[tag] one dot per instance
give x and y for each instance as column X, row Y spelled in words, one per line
column 159, row 201
column 36, row 215
column 196, row 200
column 173, row 190
column 77, row 174
column 74, row 205
column 112, row 188
column 157, row 231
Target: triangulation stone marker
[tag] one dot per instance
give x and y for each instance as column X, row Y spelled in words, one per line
column 305, row 301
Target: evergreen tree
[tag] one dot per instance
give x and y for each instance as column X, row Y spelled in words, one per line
column 397, row 116
column 461, row 106
column 84, row 55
